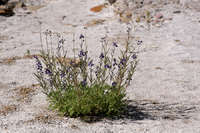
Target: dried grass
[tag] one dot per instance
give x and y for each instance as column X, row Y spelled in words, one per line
column 6, row 109
column 97, row 8
column 190, row 61
column 12, row 60
column 45, row 118
column 24, row 92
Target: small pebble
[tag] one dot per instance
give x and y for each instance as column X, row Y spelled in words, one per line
column 175, row 12
column 159, row 16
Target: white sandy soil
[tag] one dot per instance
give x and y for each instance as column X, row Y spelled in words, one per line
column 165, row 90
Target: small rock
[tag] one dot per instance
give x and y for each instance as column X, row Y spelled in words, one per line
column 97, row 8
column 111, row 1
column 94, row 22
column 175, row 12
column 138, row 19
column 159, row 16
column 2, row 2
column 7, row 9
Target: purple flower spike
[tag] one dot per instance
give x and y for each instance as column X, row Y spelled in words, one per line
column 38, row 64
column 123, row 61
column 62, row 75
column 101, row 56
column 48, row 72
column 35, row 57
column 107, row 66
column 115, row 62
column 139, row 42
column 84, row 83
column 81, row 36
column 62, row 41
column 134, row 56
column 82, row 53
column 90, row 64
column 115, row 44
column 114, row 84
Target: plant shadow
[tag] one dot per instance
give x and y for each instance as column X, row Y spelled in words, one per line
column 149, row 110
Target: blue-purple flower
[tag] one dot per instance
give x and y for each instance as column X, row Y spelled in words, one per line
column 114, row 84
column 101, row 56
column 97, row 70
column 81, row 36
column 62, row 75
column 129, row 78
column 123, row 61
column 62, row 41
column 139, row 42
column 107, row 66
column 84, row 83
column 96, row 73
column 34, row 56
column 134, row 56
column 115, row 44
column 90, row 64
column 115, row 62
column 48, row 72
column 82, row 53
column 38, row 64
column 72, row 62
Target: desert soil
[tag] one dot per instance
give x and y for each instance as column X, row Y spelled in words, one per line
column 164, row 93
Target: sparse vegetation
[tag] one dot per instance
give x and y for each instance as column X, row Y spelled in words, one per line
column 24, row 92
column 12, row 60
column 6, row 109
column 80, row 87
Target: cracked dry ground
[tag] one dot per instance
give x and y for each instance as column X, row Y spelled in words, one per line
column 164, row 95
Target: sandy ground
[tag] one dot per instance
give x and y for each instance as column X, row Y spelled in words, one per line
column 165, row 92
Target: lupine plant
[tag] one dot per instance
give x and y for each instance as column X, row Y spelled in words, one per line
column 79, row 86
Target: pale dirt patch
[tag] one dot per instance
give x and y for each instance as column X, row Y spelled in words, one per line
column 165, row 90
